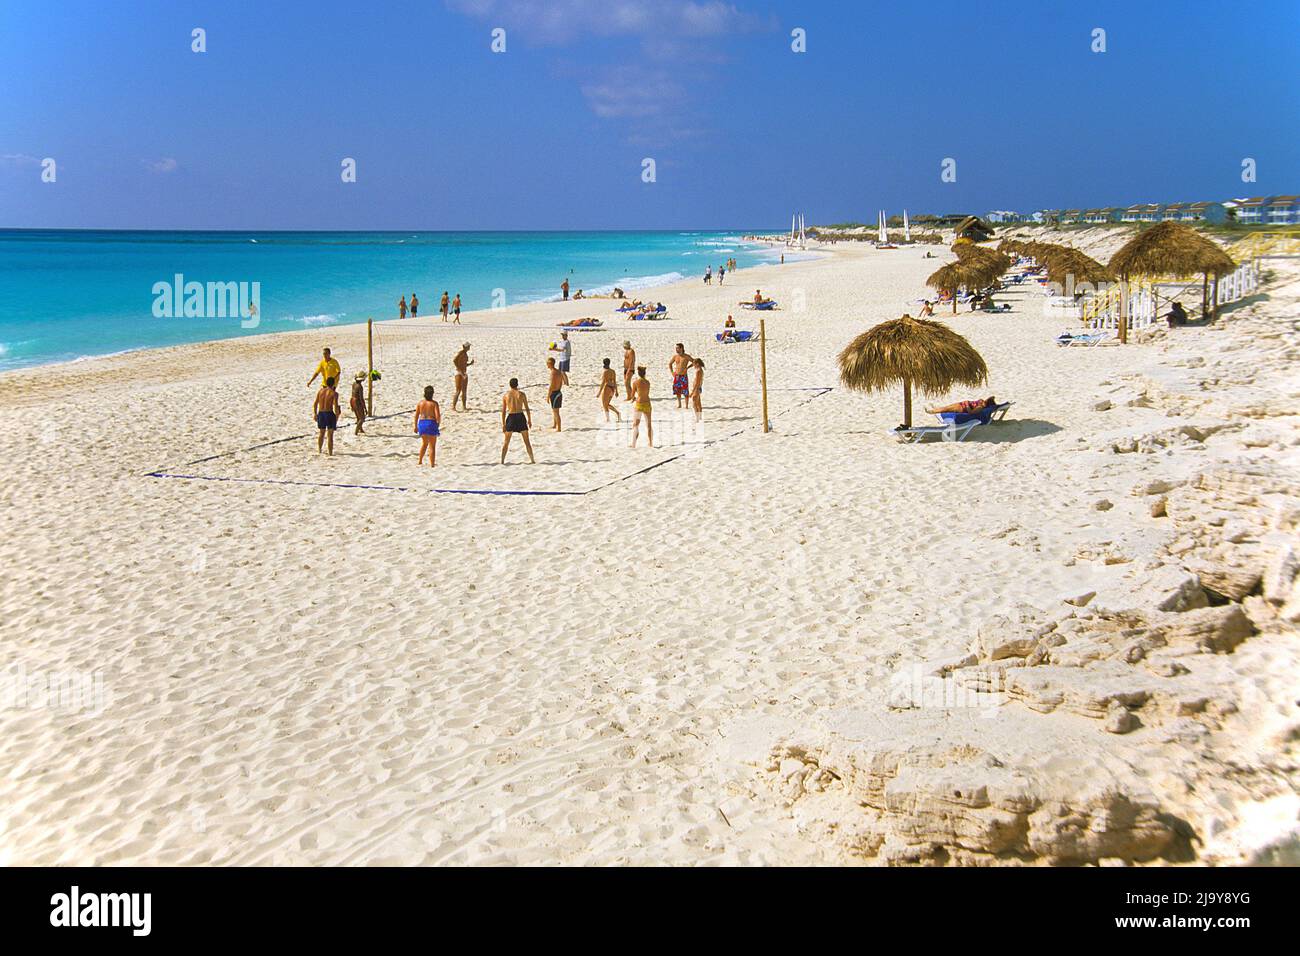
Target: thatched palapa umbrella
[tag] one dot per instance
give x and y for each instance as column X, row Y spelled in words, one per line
column 954, row 276
column 1168, row 249
column 1071, row 268
column 917, row 352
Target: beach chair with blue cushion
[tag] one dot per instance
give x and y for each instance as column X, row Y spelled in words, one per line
column 1086, row 339
column 956, row 425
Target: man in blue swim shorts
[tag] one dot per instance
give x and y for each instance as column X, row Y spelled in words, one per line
column 326, row 411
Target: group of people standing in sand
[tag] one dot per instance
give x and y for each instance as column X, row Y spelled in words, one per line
column 447, row 306
column 516, row 415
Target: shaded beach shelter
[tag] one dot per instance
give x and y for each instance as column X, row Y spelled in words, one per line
column 957, row 275
column 1168, row 249
column 984, row 258
column 918, row 353
column 1082, row 267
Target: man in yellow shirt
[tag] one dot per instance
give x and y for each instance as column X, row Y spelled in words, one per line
column 328, row 368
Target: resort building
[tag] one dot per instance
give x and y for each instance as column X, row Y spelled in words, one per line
column 1250, row 212
column 1106, row 214
column 1284, row 210
column 1072, row 215
column 1004, row 215
column 1143, row 212
column 1206, row 212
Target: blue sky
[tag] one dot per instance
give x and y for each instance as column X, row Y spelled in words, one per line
column 551, row 134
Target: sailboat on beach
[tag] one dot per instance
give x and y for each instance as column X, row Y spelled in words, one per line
column 907, row 229
column 882, row 240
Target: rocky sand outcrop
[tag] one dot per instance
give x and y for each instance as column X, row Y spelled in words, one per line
column 1153, row 720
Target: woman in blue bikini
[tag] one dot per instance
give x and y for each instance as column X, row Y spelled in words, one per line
column 428, row 418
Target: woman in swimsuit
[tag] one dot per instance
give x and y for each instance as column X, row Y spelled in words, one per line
column 428, row 418
column 358, row 402
column 696, row 387
column 608, row 388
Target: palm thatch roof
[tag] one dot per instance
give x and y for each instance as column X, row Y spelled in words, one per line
column 973, row 227
column 1083, row 268
column 919, row 352
column 1170, row 249
column 956, row 275
column 994, row 263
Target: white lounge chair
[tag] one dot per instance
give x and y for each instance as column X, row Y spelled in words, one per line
column 1087, row 339
column 949, row 432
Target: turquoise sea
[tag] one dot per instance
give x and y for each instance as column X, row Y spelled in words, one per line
column 65, row 295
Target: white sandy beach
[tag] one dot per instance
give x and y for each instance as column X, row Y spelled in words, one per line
column 696, row 663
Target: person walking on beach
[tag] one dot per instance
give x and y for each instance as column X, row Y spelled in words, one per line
column 642, row 408
column 328, row 368
column 629, row 367
column 326, row 412
column 554, row 392
column 428, row 425
column 565, row 349
column 608, row 388
column 697, row 386
column 358, row 402
column 462, row 362
column 444, row 305
column 708, row 275
column 678, row 366
column 564, row 289
column 722, row 274
column 516, row 419
column 415, row 306
column 455, row 307
column 401, row 308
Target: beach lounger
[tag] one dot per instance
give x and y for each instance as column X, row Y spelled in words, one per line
column 949, row 432
column 765, row 306
column 737, row 335
column 1087, row 339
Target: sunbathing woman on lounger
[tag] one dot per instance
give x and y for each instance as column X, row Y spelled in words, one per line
column 973, row 407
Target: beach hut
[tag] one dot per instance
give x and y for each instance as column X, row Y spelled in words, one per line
column 955, row 276
column 918, row 353
column 1168, row 249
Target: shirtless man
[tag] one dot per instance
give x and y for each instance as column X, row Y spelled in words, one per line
column 641, row 389
column 326, row 412
column 401, row 307
column 696, row 386
column 445, row 300
column 629, row 368
column 455, row 307
column 516, row 418
column 462, row 362
column 554, row 395
column 415, row 306
column 678, row 365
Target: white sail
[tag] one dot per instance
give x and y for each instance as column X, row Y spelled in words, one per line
column 882, row 234
column 793, row 216
column 907, row 229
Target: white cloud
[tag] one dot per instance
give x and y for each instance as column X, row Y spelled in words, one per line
column 18, row 159
column 162, row 166
column 558, row 21
column 687, row 32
